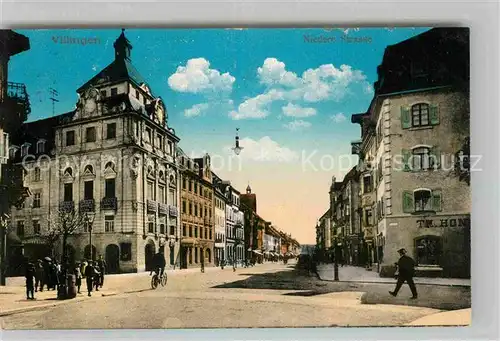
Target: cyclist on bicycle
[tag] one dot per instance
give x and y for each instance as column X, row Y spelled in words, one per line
column 159, row 264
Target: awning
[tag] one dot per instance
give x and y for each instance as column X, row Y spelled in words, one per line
column 257, row 252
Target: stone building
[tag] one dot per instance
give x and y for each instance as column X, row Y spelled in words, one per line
column 220, row 220
column 416, row 123
column 111, row 160
column 235, row 236
column 324, row 224
column 197, row 215
column 14, row 110
column 346, row 218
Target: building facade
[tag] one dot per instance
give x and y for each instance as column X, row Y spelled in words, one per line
column 111, row 160
column 415, row 126
column 220, row 221
column 197, row 240
column 235, row 237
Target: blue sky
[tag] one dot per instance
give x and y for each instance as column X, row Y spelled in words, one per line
column 282, row 92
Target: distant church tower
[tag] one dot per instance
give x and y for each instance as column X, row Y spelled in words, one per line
column 249, row 199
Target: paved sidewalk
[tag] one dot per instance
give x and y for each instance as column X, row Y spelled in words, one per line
column 461, row 317
column 359, row 274
column 13, row 296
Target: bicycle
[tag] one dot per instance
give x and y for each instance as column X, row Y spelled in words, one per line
column 155, row 280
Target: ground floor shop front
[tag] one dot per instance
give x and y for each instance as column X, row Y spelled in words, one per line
column 439, row 244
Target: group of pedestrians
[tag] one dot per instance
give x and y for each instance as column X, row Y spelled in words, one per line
column 41, row 274
column 49, row 273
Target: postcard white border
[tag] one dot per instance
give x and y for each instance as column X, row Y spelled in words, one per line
column 482, row 19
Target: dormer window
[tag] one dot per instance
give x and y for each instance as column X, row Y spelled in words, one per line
column 13, row 151
column 24, row 149
column 40, row 146
column 114, row 91
column 103, row 93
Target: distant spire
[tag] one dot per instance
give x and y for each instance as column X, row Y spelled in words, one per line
column 122, row 47
column 249, row 189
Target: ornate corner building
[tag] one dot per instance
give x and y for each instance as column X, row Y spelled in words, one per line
column 112, row 159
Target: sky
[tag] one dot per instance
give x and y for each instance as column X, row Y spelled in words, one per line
column 290, row 92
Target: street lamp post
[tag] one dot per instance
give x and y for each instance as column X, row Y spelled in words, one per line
column 89, row 220
column 336, row 262
column 3, row 248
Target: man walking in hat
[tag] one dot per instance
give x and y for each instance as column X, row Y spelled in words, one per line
column 406, row 269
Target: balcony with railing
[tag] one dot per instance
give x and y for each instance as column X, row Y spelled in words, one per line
column 162, row 208
column 87, row 205
column 109, row 204
column 151, row 205
column 67, row 206
column 14, row 101
column 173, row 211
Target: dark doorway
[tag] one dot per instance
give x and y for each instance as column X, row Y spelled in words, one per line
column 149, row 252
column 172, row 255
column 183, row 256
column 86, row 252
column 112, row 259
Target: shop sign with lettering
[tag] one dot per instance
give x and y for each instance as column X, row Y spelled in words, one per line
column 449, row 222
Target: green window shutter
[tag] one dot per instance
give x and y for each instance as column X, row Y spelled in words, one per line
column 406, row 159
column 436, row 200
column 434, row 114
column 408, row 202
column 405, row 117
column 436, row 157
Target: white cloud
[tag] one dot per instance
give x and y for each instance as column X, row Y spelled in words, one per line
column 294, row 110
column 273, row 72
column 265, row 150
column 338, row 118
column 198, row 77
column 196, row 110
column 297, row 125
column 325, row 82
column 256, row 107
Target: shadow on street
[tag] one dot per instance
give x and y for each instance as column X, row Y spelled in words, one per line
column 430, row 296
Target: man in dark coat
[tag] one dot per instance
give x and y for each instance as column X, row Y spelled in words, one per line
column 406, row 269
column 89, row 276
column 39, row 276
column 101, row 263
column 159, row 263
column 30, row 278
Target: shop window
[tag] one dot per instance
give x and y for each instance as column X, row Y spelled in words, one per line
column 428, row 250
column 126, row 251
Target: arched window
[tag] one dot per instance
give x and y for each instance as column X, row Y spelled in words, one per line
column 110, row 165
column 88, row 169
column 420, row 115
column 428, row 250
column 161, row 175
column 423, row 200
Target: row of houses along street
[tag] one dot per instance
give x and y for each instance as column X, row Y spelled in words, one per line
column 116, row 166
column 410, row 188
